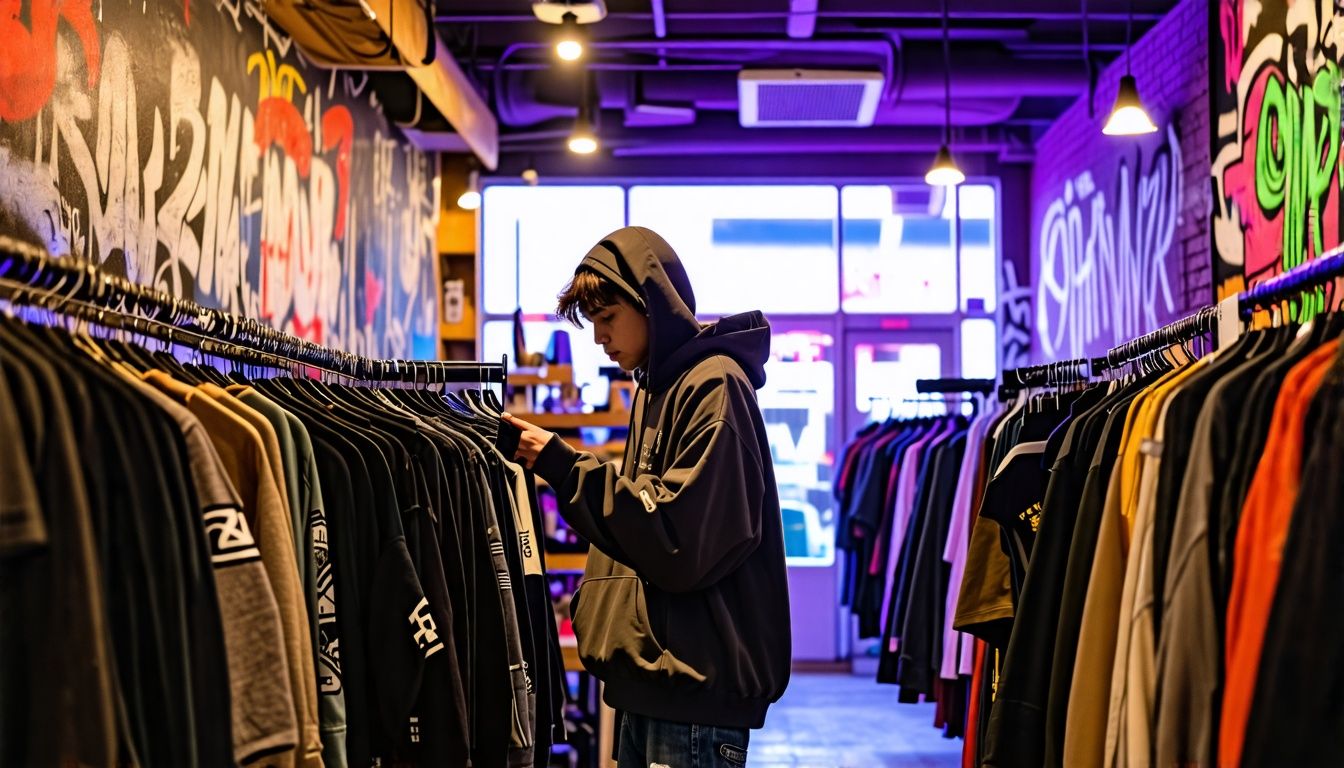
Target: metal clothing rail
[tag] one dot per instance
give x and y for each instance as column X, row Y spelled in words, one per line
column 1048, row 374
column 38, row 279
column 1178, row 332
column 953, row 386
column 1311, row 274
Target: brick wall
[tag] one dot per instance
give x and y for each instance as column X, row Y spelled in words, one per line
column 1120, row 225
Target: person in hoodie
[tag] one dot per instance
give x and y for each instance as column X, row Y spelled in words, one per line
column 683, row 611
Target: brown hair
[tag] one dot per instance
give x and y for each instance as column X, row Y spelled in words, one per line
column 586, row 295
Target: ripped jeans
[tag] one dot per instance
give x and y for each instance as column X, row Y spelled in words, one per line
column 649, row 743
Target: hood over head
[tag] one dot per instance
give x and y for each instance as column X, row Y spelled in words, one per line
column 644, row 266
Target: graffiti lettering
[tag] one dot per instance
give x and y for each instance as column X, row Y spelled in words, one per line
column 1015, row 325
column 1103, row 263
column 28, row 56
column 237, row 186
column 1276, row 151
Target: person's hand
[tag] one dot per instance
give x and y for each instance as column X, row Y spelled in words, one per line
column 530, row 442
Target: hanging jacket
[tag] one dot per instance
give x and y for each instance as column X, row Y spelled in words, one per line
column 683, row 612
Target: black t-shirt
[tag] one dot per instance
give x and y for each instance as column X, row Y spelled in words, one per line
column 1016, row 730
column 56, row 686
column 1013, row 500
column 1082, row 549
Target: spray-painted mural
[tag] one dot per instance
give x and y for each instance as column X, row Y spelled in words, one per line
column 1104, row 264
column 1276, row 178
column 1015, row 320
column 190, row 147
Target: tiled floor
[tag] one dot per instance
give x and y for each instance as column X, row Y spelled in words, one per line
column 844, row 721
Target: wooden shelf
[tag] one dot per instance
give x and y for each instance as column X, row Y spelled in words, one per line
column 456, row 332
column 551, row 375
column 566, row 562
column 576, row 420
column 609, row 448
column 569, row 651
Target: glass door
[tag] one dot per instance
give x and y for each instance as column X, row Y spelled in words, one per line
column 883, row 369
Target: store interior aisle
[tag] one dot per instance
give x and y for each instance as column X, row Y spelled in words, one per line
column 844, row 721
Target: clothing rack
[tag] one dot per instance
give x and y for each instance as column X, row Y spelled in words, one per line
column 1183, row 330
column 953, row 386
column 1311, row 274
column 35, row 278
column 1044, row 375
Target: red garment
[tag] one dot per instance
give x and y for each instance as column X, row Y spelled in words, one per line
column 1261, row 535
column 973, row 708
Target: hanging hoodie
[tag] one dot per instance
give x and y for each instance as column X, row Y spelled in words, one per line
column 683, row 611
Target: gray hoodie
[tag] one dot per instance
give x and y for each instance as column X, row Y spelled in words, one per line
column 684, row 610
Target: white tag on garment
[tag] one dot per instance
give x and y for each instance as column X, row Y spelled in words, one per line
column 1230, row 326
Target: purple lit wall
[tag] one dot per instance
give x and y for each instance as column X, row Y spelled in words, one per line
column 1120, row 225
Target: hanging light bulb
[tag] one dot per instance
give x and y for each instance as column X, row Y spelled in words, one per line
column 569, row 42
column 470, row 198
column 944, row 171
column 582, row 140
column 1128, row 117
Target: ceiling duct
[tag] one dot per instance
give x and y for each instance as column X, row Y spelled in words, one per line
column 438, row 109
column 769, row 98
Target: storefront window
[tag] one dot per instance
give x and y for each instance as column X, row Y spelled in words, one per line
column 542, row 233
column 771, row 248
column 798, row 403
column 979, row 348
column 898, row 250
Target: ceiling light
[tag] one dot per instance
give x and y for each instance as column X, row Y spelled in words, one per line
column 1128, row 117
column 582, row 140
column 530, row 176
column 470, row 199
column 944, row 172
column 569, row 42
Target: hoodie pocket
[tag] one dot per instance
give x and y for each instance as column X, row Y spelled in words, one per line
column 611, row 622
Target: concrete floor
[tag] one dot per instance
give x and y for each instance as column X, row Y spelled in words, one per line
column 844, row 721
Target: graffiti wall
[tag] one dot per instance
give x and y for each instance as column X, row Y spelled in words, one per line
column 188, row 146
column 1275, row 82
column 1120, row 224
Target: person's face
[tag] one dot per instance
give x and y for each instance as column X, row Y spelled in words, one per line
column 623, row 333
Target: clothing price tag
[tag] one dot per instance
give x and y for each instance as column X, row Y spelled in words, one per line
column 1229, row 321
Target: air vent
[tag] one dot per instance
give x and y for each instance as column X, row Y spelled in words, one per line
column 770, row 98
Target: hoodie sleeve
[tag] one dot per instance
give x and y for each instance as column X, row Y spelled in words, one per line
column 688, row 526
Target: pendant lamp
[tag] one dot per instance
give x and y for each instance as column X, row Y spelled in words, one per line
column 1128, row 117
column 944, row 172
column 582, row 139
column 569, row 41
column 470, row 199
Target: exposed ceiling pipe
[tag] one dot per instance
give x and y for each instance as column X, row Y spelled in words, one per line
column 921, row 139
column 887, row 48
column 991, row 10
column 802, row 19
column 721, row 135
column 660, row 29
column 659, row 19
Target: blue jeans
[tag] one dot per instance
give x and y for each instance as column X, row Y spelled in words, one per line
column 649, row 743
